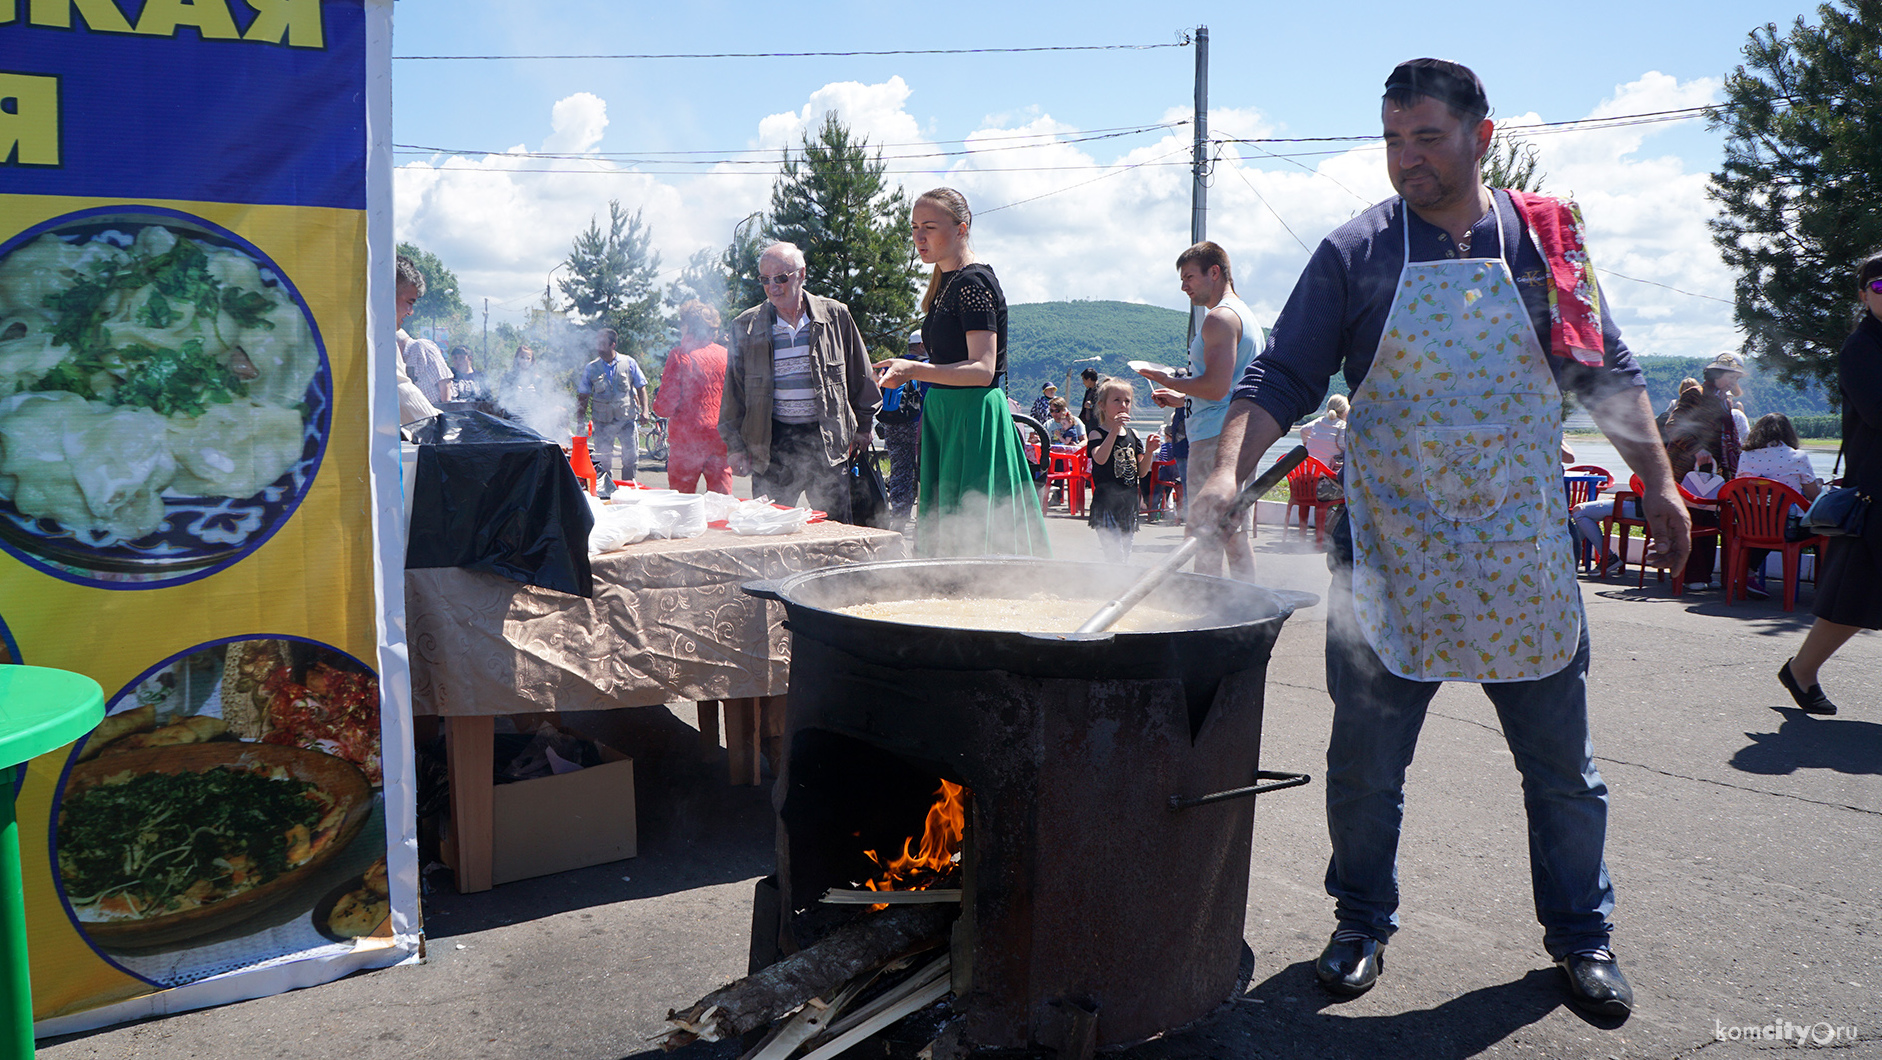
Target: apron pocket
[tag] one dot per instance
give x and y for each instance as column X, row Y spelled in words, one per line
column 1466, row 470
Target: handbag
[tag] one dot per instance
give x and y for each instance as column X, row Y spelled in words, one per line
column 1838, row 512
column 869, row 497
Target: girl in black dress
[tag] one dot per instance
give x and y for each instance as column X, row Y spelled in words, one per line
column 1849, row 583
column 1119, row 460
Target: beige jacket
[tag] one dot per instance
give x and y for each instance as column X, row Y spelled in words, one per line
column 847, row 396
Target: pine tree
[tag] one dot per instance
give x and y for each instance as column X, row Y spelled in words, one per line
column 1799, row 186
column 1511, row 163
column 832, row 202
column 442, row 305
column 612, row 281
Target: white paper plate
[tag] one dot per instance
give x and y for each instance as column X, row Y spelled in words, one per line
column 1139, row 366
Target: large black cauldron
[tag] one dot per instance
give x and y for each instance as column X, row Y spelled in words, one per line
column 1094, row 880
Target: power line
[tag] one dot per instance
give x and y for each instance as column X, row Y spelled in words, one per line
column 1670, row 287
column 1183, row 43
column 1611, row 121
column 1117, row 129
column 1020, row 202
column 770, row 156
column 1271, row 209
column 619, row 172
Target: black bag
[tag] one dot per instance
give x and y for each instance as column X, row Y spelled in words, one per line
column 1838, row 512
column 901, row 405
column 869, row 498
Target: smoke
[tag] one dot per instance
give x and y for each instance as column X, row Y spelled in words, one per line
column 541, row 396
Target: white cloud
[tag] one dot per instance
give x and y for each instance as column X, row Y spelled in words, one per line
column 1061, row 219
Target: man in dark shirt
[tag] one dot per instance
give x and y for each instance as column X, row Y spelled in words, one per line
column 1088, row 412
column 1453, row 561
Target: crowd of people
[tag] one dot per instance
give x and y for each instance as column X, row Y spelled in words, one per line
column 1452, row 559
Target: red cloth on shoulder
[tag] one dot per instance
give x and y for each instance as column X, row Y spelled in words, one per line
column 1574, row 299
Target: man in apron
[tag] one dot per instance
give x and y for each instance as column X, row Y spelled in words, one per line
column 1459, row 314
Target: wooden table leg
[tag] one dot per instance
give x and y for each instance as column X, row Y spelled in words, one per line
column 741, row 740
column 771, row 730
column 470, row 748
column 708, row 726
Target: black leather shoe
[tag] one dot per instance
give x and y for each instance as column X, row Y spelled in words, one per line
column 1809, row 700
column 1349, row 968
column 1595, row 984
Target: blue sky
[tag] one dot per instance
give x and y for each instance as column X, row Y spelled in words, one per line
column 1311, row 70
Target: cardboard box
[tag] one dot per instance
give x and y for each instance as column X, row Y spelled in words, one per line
column 553, row 824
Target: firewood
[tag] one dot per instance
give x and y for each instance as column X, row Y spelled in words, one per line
column 936, row 896
column 914, row 1002
column 815, row 971
column 934, row 971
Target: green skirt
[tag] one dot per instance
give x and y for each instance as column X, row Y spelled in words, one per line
column 977, row 495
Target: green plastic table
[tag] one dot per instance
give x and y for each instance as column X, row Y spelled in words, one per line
column 40, row 710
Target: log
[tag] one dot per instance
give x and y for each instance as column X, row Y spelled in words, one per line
column 815, row 971
column 937, row 896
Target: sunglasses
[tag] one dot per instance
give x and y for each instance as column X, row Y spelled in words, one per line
column 1876, row 286
column 779, row 280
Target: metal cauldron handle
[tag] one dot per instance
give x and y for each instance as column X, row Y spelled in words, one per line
column 1278, row 781
column 763, row 589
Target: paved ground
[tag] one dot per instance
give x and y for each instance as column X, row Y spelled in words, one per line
column 1743, row 843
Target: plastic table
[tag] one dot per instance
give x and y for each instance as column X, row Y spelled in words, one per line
column 41, row 710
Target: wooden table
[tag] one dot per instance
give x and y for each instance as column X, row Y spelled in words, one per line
column 667, row 624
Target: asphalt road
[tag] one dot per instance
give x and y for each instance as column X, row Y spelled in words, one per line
column 1743, row 844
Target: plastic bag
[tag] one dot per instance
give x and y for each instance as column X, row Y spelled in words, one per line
column 616, row 526
column 761, row 519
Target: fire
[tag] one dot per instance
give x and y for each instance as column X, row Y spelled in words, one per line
column 919, row 869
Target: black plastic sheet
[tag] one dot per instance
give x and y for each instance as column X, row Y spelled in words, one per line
column 495, row 496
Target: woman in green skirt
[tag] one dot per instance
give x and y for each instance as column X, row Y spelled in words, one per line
column 976, row 496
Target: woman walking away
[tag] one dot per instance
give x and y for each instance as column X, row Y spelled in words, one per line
column 977, row 495
column 1849, row 582
column 1118, row 460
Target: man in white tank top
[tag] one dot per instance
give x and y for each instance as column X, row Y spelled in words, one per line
column 1218, row 356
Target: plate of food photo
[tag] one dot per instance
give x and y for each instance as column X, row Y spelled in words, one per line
column 164, row 397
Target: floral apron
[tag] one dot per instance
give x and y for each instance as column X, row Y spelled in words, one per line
column 1463, row 567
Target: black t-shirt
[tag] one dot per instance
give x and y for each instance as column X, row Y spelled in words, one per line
column 970, row 300
column 1121, row 469
column 1088, row 412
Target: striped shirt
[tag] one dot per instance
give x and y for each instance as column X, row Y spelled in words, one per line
column 794, row 387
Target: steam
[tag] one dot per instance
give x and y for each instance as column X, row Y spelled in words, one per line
column 983, row 526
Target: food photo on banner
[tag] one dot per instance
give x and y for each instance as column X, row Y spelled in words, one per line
column 199, row 498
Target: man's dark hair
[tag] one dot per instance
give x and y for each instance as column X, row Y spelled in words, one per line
column 409, row 276
column 1452, row 84
column 1089, row 375
column 1870, row 269
column 613, row 336
column 1205, row 256
column 459, row 351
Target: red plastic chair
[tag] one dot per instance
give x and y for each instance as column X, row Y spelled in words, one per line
column 1607, row 477
column 1303, row 493
column 1073, row 472
column 1634, row 490
column 1163, row 487
column 1758, row 509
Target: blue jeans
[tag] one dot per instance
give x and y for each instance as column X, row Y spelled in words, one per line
column 1376, row 719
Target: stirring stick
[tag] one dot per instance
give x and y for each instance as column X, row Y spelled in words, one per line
column 1107, row 616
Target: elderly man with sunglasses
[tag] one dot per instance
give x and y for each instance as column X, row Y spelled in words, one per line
column 1458, row 315
column 799, row 396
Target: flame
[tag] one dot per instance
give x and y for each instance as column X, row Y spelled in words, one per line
column 918, row 869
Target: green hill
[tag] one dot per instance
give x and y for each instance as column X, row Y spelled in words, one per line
column 1048, row 340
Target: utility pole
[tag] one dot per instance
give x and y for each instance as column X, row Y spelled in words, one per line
column 486, row 331
column 1199, row 190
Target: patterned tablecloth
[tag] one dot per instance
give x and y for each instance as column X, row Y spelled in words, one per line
column 667, row 624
